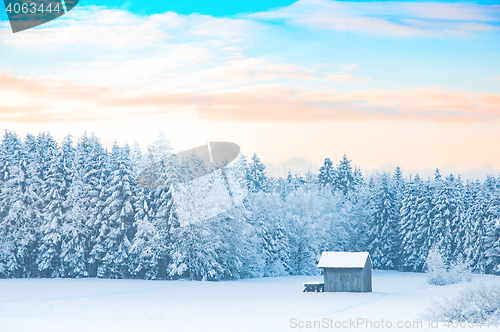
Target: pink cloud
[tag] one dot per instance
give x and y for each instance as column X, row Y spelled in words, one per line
column 389, row 18
column 29, row 99
column 347, row 78
column 43, row 99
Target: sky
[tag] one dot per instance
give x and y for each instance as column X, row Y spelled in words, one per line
column 409, row 84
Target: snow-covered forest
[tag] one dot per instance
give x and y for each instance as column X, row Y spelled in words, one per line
column 74, row 210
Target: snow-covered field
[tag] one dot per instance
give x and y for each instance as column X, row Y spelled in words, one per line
column 265, row 304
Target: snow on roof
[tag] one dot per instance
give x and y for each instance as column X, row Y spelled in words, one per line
column 343, row 259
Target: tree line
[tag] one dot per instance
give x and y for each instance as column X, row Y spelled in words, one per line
column 74, row 210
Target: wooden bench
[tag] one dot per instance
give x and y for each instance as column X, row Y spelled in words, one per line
column 314, row 286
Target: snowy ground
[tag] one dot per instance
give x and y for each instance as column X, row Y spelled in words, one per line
column 266, row 304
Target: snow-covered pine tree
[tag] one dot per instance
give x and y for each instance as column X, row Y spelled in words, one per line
column 137, row 159
column 276, row 251
column 443, row 220
column 491, row 184
column 143, row 257
column 209, row 250
column 202, row 198
column 356, row 214
column 194, row 253
column 359, row 180
column 268, row 219
column 68, row 157
column 90, row 161
column 425, row 205
column 327, row 174
column 74, row 231
column 16, row 216
column 383, row 237
column 242, row 166
column 410, row 241
column 307, row 221
column 298, row 181
column 282, row 186
column 311, row 178
column 55, row 190
column 473, row 229
column 237, row 175
column 21, row 201
column 493, row 234
column 154, row 221
column 399, row 184
column 117, row 216
column 38, row 153
column 155, row 217
column 344, row 176
column 287, row 184
column 193, row 167
column 258, row 179
column 236, row 251
column 459, row 224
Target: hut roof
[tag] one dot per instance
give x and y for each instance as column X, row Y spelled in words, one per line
column 343, row 259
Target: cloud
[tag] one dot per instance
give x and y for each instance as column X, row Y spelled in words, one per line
column 160, row 62
column 346, row 68
column 199, row 53
column 389, row 18
column 91, row 25
column 66, row 101
column 347, row 78
column 44, row 99
column 427, row 104
column 115, row 28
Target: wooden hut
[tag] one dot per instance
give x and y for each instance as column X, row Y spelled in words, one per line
column 346, row 271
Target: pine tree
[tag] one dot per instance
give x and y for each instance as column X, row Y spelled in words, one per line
column 474, row 227
column 383, row 239
column 493, row 234
column 267, row 218
column 153, row 213
column 327, row 173
column 443, row 222
column 21, row 206
column 236, row 252
column 117, row 216
column 237, row 176
column 344, row 176
column 258, row 179
column 154, row 221
column 410, row 243
column 305, row 229
column 195, row 253
column 138, row 162
column 14, row 214
column 276, row 251
column 91, row 160
column 459, row 224
column 74, row 230
column 424, row 240
column 55, row 189
column 359, row 180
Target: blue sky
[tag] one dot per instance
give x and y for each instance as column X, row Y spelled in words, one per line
column 213, row 8
column 415, row 84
